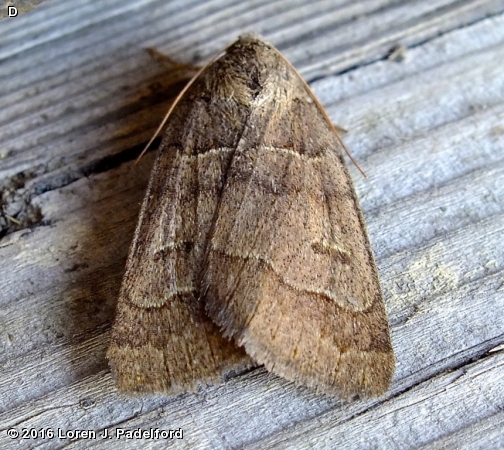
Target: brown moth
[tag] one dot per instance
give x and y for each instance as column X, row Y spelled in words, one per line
column 251, row 230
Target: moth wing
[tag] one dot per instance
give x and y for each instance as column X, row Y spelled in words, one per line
column 162, row 340
column 290, row 272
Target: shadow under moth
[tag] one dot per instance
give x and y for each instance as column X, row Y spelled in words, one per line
column 251, row 247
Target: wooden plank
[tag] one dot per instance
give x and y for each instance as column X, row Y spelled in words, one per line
column 419, row 415
column 76, row 86
column 80, row 96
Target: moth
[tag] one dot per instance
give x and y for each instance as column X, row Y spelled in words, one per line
column 251, row 247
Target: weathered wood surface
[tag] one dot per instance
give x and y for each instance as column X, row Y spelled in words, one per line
column 79, row 96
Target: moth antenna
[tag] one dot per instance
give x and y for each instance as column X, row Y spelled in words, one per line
column 166, row 60
column 172, row 107
column 322, row 110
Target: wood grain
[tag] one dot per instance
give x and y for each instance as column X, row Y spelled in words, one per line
column 79, row 97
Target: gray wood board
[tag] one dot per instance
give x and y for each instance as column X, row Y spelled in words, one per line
column 79, row 97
